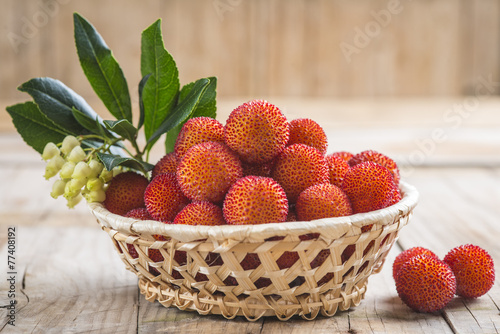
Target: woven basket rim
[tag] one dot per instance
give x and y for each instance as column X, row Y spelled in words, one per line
column 333, row 228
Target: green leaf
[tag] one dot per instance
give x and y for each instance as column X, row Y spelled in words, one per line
column 160, row 92
column 111, row 161
column 171, row 137
column 34, row 127
column 208, row 104
column 123, row 128
column 93, row 125
column 141, row 103
column 183, row 110
column 101, row 69
column 56, row 101
column 97, row 127
column 207, row 107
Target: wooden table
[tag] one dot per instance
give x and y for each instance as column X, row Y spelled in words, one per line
column 67, row 277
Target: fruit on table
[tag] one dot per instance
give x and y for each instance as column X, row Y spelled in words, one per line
column 474, row 269
column 425, row 284
column 406, row 255
column 468, row 269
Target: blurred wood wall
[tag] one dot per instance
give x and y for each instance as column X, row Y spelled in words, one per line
column 262, row 48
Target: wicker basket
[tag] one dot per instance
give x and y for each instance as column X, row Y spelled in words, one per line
column 212, row 279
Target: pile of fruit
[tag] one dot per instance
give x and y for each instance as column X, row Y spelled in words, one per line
column 257, row 168
column 427, row 284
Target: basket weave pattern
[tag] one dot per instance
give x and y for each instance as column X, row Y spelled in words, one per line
column 212, row 279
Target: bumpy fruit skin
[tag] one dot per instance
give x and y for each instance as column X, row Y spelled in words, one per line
column 139, row 213
column 298, row 167
column 308, row 132
column 125, row 192
column 369, row 186
column 396, row 197
column 257, row 169
column 322, row 201
column 255, row 200
column 207, row 171
column 257, row 130
column 425, row 284
column 344, row 155
column 406, row 255
column 163, row 197
column 473, row 268
column 337, row 168
column 196, row 131
column 381, row 159
column 200, row 213
column 167, row 164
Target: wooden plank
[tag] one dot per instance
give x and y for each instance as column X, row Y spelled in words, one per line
column 486, row 31
column 20, row 45
column 8, row 45
column 260, row 48
column 71, row 280
column 153, row 317
column 455, row 206
column 29, row 202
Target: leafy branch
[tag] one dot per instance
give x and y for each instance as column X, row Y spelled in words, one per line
column 164, row 106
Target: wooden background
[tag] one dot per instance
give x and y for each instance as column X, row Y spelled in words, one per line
column 263, row 48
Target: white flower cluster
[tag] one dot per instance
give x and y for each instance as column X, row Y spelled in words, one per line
column 81, row 175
